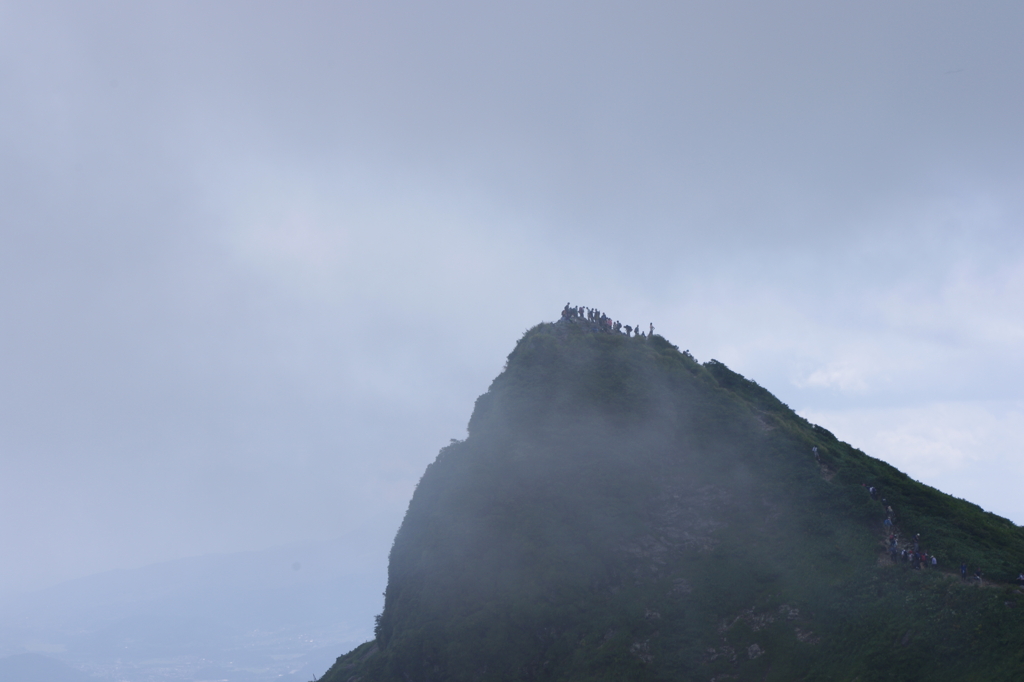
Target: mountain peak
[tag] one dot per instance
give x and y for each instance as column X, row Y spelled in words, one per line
column 620, row 510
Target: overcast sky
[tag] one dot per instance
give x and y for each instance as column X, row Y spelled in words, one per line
column 257, row 260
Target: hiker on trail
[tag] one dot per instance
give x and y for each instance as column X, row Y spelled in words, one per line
column 652, row 330
column 963, row 572
column 887, row 523
column 935, row 562
column 814, row 451
column 888, row 511
column 629, row 330
column 873, row 491
column 892, row 552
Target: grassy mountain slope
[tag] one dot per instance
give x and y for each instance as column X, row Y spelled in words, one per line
column 620, row 511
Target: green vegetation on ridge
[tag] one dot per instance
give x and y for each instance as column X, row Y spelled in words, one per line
column 621, row 511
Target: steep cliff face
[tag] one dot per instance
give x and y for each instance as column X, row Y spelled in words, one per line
column 621, row 511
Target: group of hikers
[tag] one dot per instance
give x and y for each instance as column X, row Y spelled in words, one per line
column 915, row 556
column 602, row 322
column 912, row 553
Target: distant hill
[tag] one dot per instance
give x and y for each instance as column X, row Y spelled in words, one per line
column 38, row 668
column 620, row 511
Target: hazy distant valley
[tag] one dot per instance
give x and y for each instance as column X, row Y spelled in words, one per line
column 280, row 614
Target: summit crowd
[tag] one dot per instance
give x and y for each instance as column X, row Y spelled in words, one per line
column 599, row 322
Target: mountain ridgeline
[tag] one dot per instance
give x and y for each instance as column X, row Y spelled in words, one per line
column 620, row 511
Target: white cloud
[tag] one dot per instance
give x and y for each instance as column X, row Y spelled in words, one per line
column 842, row 376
